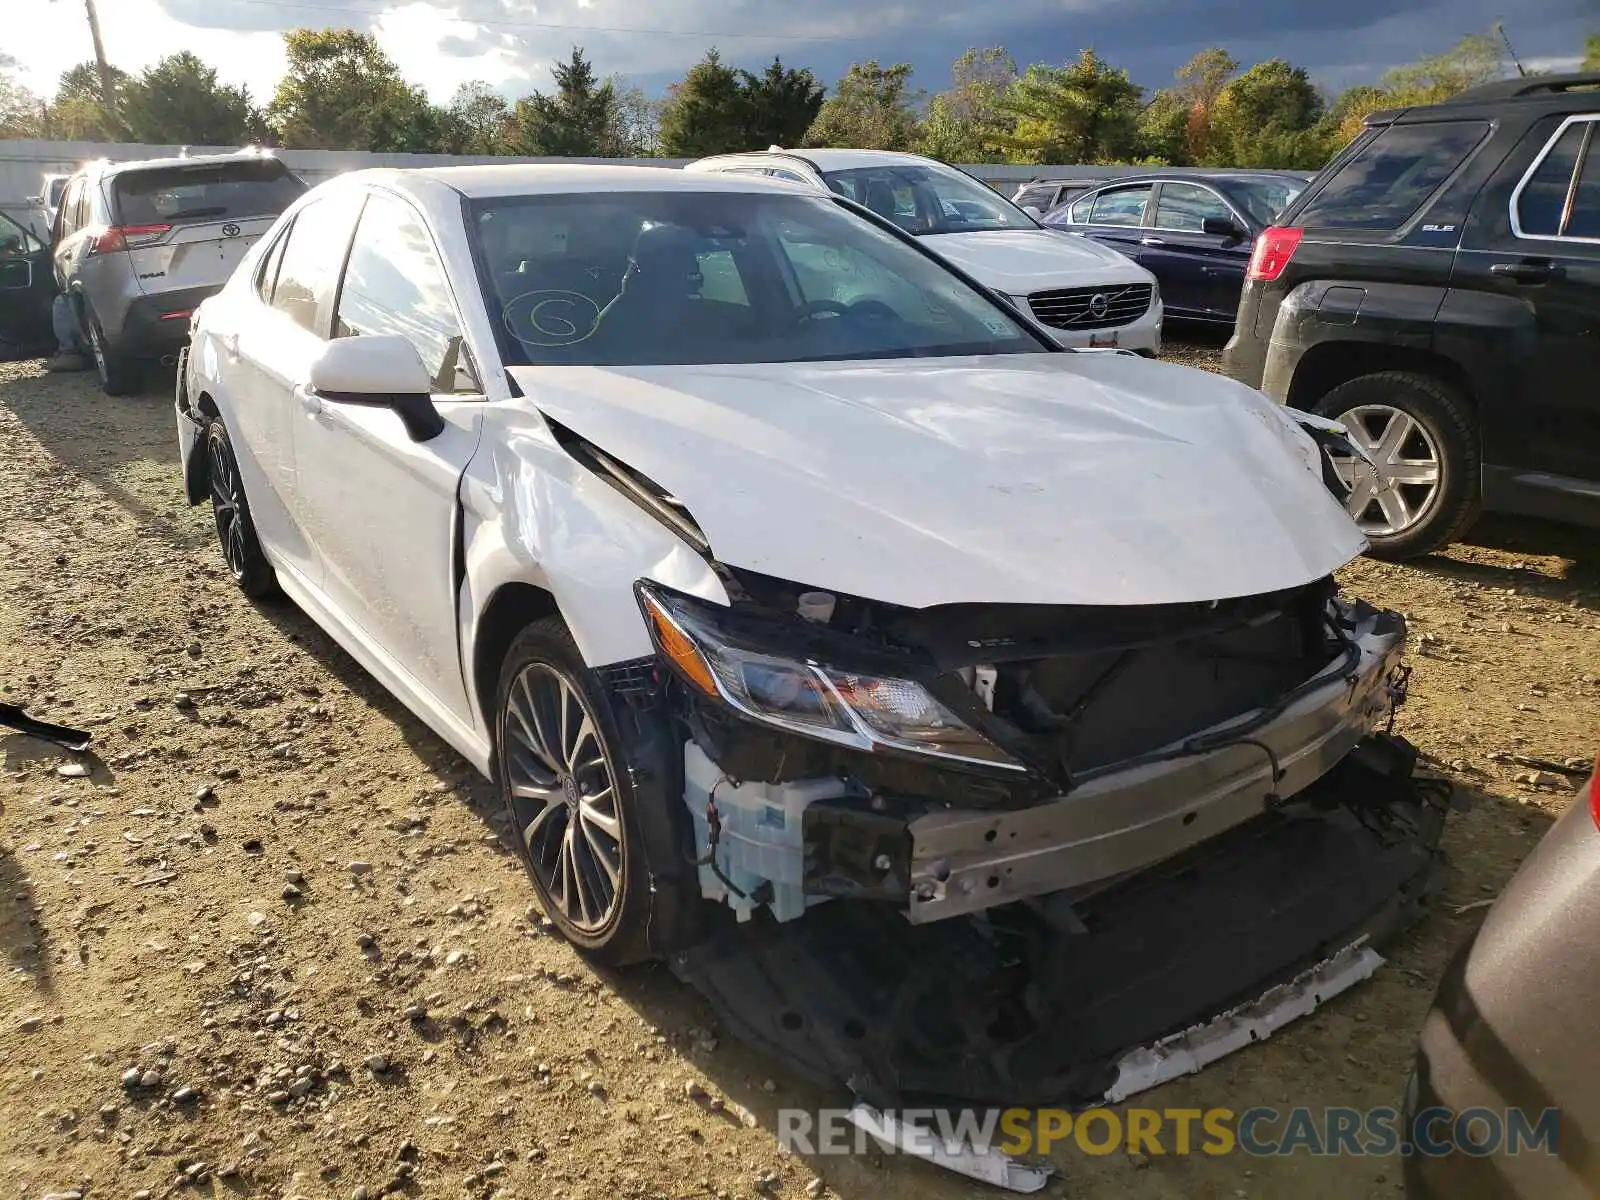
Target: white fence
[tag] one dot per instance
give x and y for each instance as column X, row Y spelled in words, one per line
column 23, row 165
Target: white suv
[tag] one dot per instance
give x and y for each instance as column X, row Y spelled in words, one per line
column 1081, row 292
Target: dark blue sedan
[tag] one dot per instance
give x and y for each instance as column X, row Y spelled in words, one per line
column 1194, row 232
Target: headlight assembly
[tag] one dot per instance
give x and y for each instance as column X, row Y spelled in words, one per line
column 865, row 712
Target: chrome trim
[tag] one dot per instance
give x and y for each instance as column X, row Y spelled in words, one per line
column 1125, row 821
column 1516, row 192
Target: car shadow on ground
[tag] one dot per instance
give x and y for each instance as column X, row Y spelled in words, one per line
column 103, row 438
column 1544, row 558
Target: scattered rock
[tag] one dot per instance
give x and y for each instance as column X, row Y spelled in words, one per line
column 376, row 1063
column 30, row 1024
column 150, row 1079
column 186, row 1095
column 257, row 919
column 455, row 958
column 816, row 1188
column 291, row 893
column 130, row 1078
column 415, row 1012
column 359, row 868
column 72, row 770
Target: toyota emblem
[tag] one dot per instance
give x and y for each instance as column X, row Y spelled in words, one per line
column 232, row 230
column 1098, row 304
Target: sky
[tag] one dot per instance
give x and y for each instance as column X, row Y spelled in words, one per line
column 511, row 43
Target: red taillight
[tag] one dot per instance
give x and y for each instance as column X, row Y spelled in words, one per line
column 126, row 237
column 1594, row 791
column 1273, row 250
column 179, row 315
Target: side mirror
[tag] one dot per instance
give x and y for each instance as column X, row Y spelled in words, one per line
column 1033, row 210
column 381, row 371
column 1222, row 227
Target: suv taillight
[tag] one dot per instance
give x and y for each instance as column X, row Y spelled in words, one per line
column 1273, row 250
column 126, row 237
column 1594, row 791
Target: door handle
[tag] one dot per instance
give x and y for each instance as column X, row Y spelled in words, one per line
column 1529, row 272
column 308, row 399
column 1152, row 241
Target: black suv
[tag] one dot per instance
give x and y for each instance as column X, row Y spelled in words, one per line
column 1437, row 288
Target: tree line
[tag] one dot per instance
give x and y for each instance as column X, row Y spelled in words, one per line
column 340, row 91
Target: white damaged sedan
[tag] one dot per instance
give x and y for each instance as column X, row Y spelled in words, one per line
column 766, row 562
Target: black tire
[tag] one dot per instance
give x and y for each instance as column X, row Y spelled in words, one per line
column 541, row 660
column 1446, row 417
column 119, row 375
column 236, row 531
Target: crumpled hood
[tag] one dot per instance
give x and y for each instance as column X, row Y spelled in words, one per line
column 1019, row 261
column 1045, row 479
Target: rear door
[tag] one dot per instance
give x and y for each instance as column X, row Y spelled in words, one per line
column 1115, row 216
column 1534, row 239
column 1201, row 273
column 27, row 288
column 189, row 226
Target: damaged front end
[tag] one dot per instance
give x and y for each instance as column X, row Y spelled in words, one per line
column 948, row 760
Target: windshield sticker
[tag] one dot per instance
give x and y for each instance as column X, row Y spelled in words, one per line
column 552, row 317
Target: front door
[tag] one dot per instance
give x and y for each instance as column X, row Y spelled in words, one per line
column 1541, row 249
column 1201, row 273
column 27, row 289
column 382, row 508
column 1116, row 216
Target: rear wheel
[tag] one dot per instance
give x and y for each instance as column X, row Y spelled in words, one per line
column 1421, row 489
column 236, row 532
column 119, row 375
column 570, row 797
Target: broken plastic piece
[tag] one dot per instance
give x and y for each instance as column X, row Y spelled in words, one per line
column 986, row 1165
column 1201, row 1045
column 12, row 717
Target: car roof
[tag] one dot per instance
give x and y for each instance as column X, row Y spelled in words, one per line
column 1533, row 96
column 523, row 179
column 106, row 170
column 1203, row 177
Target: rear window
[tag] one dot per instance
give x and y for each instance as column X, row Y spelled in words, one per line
column 206, row 193
column 1383, row 184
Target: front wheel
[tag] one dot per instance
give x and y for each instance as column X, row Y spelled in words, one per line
column 570, row 796
column 236, row 532
column 1421, row 489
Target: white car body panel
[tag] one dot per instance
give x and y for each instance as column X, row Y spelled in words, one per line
column 1056, row 479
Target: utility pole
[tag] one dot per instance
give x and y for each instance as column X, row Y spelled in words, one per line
column 108, row 92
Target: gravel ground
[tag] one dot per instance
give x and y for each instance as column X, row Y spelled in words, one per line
column 272, row 944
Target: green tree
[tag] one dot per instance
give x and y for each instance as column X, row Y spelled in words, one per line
column 78, row 112
column 966, row 123
column 1476, row 58
column 638, row 123
column 1084, row 112
column 1591, row 52
column 1267, row 117
column 1164, row 129
column 580, row 119
column 20, row 109
column 180, row 101
column 705, row 112
column 340, row 91
column 474, row 121
column 873, row 108
column 780, row 104
column 1200, row 83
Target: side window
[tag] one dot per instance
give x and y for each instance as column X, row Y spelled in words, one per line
column 1388, row 178
column 786, row 176
column 395, row 284
column 67, row 216
column 1125, row 206
column 267, row 272
column 308, row 267
column 1182, row 206
column 720, row 276
column 1078, row 214
column 1037, row 196
column 1542, row 199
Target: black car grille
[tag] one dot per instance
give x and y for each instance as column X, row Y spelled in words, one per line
column 1091, row 307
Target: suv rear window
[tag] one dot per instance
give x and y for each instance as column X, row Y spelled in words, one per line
column 1387, row 179
column 164, row 195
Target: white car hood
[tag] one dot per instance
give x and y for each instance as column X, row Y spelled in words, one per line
column 1044, row 479
column 1020, row 261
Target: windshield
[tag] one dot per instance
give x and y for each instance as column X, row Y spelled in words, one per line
column 928, row 199
column 673, row 277
column 1264, row 199
column 248, row 188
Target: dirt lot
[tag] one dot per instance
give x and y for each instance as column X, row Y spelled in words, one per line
column 270, row 861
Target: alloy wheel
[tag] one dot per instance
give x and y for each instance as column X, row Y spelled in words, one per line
column 563, row 796
column 1400, row 485
column 227, row 504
